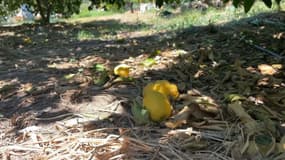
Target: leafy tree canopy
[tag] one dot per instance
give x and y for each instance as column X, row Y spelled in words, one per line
column 44, row 7
column 68, row 7
column 247, row 4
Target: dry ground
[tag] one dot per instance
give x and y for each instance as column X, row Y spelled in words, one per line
column 226, row 74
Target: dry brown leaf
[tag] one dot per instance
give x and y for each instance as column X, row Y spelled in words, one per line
column 266, row 69
column 198, row 74
column 238, row 110
column 208, row 127
column 235, row 151
column 195, row 144
column 192, row 92
column 27, row 87
column 180, row 118
column 263, row 81
column 280, row 157
column 281, row 145
column 205, row 103
column 252, row 150
column 277, row 66
column 209, row 108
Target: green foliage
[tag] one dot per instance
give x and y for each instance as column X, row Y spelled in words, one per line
column 44, row 7
column 149, row 62
column 85, row 35
column 140, row 115
column 67, row 8
column 99, row 67
column 159, row 3
column 106, row 4
column 84, row 12
column 247, row 4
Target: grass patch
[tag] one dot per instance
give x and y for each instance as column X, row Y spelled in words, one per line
column 112, row 24
column 84, row 12
column 94, row 13
column 85, row 35
column 210, row 16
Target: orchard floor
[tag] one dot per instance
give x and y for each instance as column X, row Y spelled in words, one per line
column 59, row 98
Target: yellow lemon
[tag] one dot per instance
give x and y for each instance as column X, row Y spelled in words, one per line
column 27, row 40
column 122, row 70
column 164, row 87
column 158, row 106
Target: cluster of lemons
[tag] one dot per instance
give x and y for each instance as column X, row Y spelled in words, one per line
column 156, row 99
column 156, row 95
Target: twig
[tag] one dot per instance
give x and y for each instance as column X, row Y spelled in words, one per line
column 19, row 154
column 268, row 51
column 119, row 156
column 181, row 153
column 58, row 151
column 155, row 154
column 163, row 156
column 216, row 154
column 143, row 144
column 21, row 148
column 264, row 50
column 172, row 151
column 274, row 23
column 58, row 117
column 93, row 153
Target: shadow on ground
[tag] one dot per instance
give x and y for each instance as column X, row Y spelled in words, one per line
column 216, row 60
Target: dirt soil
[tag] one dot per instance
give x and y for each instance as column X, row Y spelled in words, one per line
column 50, row 89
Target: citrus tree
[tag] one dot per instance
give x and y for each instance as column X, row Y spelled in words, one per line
column 103, row 3
column 247, row 4
column 68, row 7
column 44, row 7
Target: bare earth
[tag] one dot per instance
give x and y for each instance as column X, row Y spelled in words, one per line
column 45, row 115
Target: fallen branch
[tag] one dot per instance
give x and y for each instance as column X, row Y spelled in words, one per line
column 268, row 51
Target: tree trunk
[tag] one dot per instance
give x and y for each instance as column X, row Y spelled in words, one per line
column 48, row 14
column 44, row 11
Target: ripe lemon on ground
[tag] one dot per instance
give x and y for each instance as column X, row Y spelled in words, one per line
column 157, row 105
column 164, row 87
column 27, row 40
column 122, row 70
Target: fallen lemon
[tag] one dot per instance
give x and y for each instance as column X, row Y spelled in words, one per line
column 164, row 87
column 157, row 105
column 27, row 40
column 122, row 70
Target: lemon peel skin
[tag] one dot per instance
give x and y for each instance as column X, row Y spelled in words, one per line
column 122, row 70
column 158, row 105
column 164, row 87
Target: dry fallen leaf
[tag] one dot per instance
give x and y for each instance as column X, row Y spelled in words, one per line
column 195, row 144
column 27, row 87
column 238, row 110
column 281, row 145
column 180, row 118
column 206, row 104
column 266, row 69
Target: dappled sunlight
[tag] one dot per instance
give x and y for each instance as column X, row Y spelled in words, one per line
column 62, row 65
column 231, row 92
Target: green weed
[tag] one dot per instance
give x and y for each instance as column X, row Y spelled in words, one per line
column 85, row 35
